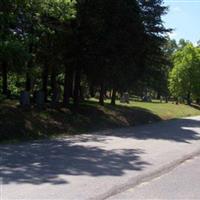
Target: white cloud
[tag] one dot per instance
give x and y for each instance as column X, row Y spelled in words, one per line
column 176, row 9
column 173, row 35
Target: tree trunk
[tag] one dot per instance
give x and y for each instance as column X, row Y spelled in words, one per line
column 101, row 96
column 176, row 100
column 45, row 81
column 81, row 92
column 53, row 80
column 113, row 98
column 29, row 67
column 4, row 79
column 28, row 82
column 188, row 99
column 71, row 79
column 67, row 87
column 158, row 96
column 77, row 87
column 92, row 93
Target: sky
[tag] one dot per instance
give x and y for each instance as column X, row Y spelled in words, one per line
column 184, row 18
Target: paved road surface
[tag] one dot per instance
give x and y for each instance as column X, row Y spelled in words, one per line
column 181, row 183
column 97, row 165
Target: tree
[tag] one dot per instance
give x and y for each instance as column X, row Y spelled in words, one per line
column 153, row 65
column 107, row 45
column 13, row 55
column 115, row 35
column 184, row 77
column 182, row 43
column 56, row 43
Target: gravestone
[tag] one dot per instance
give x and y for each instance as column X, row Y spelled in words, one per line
column 146, row 98
column 122, row 100
column 24, row 99
column 125, row 98
column 40, row 99
column 149, row 99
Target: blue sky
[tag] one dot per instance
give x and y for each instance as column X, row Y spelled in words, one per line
column 184, row 17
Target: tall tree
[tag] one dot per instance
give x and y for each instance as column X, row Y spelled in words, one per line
column 184, row 77
column 154, row 57
column 12, row 50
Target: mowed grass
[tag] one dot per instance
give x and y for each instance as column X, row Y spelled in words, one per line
column 167, row 110
column 164, row 111
column 19, row 124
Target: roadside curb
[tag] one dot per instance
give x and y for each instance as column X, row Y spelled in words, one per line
column 147, row 176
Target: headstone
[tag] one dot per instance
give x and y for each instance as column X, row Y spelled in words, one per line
column 25, row 99
column 40, row 99
column 149, row 99
column 122, row 100
column 125, row 98
column 146, row 98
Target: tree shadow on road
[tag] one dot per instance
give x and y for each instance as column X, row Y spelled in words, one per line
column 178, row 130
column 45, row 162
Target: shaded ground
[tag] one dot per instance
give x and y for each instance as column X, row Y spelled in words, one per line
column 19, row 124
column 32, row 164
column 16, row 123
column 43, row 161
column 91, row 165
column 178, row 133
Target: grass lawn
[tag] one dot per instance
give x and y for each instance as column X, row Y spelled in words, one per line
column 167, row 110
column 19, row 124
column 164, row 111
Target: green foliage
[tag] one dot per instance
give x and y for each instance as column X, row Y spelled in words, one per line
column 184, row 77
column 171, row 47
column 182, row 43
column 14, row 54
column 108, row 44
column 59, row 9
column 15, row 83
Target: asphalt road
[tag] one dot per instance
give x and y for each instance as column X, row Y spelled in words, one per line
column 97, row 165
column 183, row 182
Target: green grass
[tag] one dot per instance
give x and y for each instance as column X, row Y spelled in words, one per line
column 19, row 124
column 167, row 110
column 163, row 110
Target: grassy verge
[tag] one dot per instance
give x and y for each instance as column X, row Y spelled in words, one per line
column 168, row 110
column 18, row 124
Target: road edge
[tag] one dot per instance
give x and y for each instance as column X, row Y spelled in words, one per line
column 147, row 176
